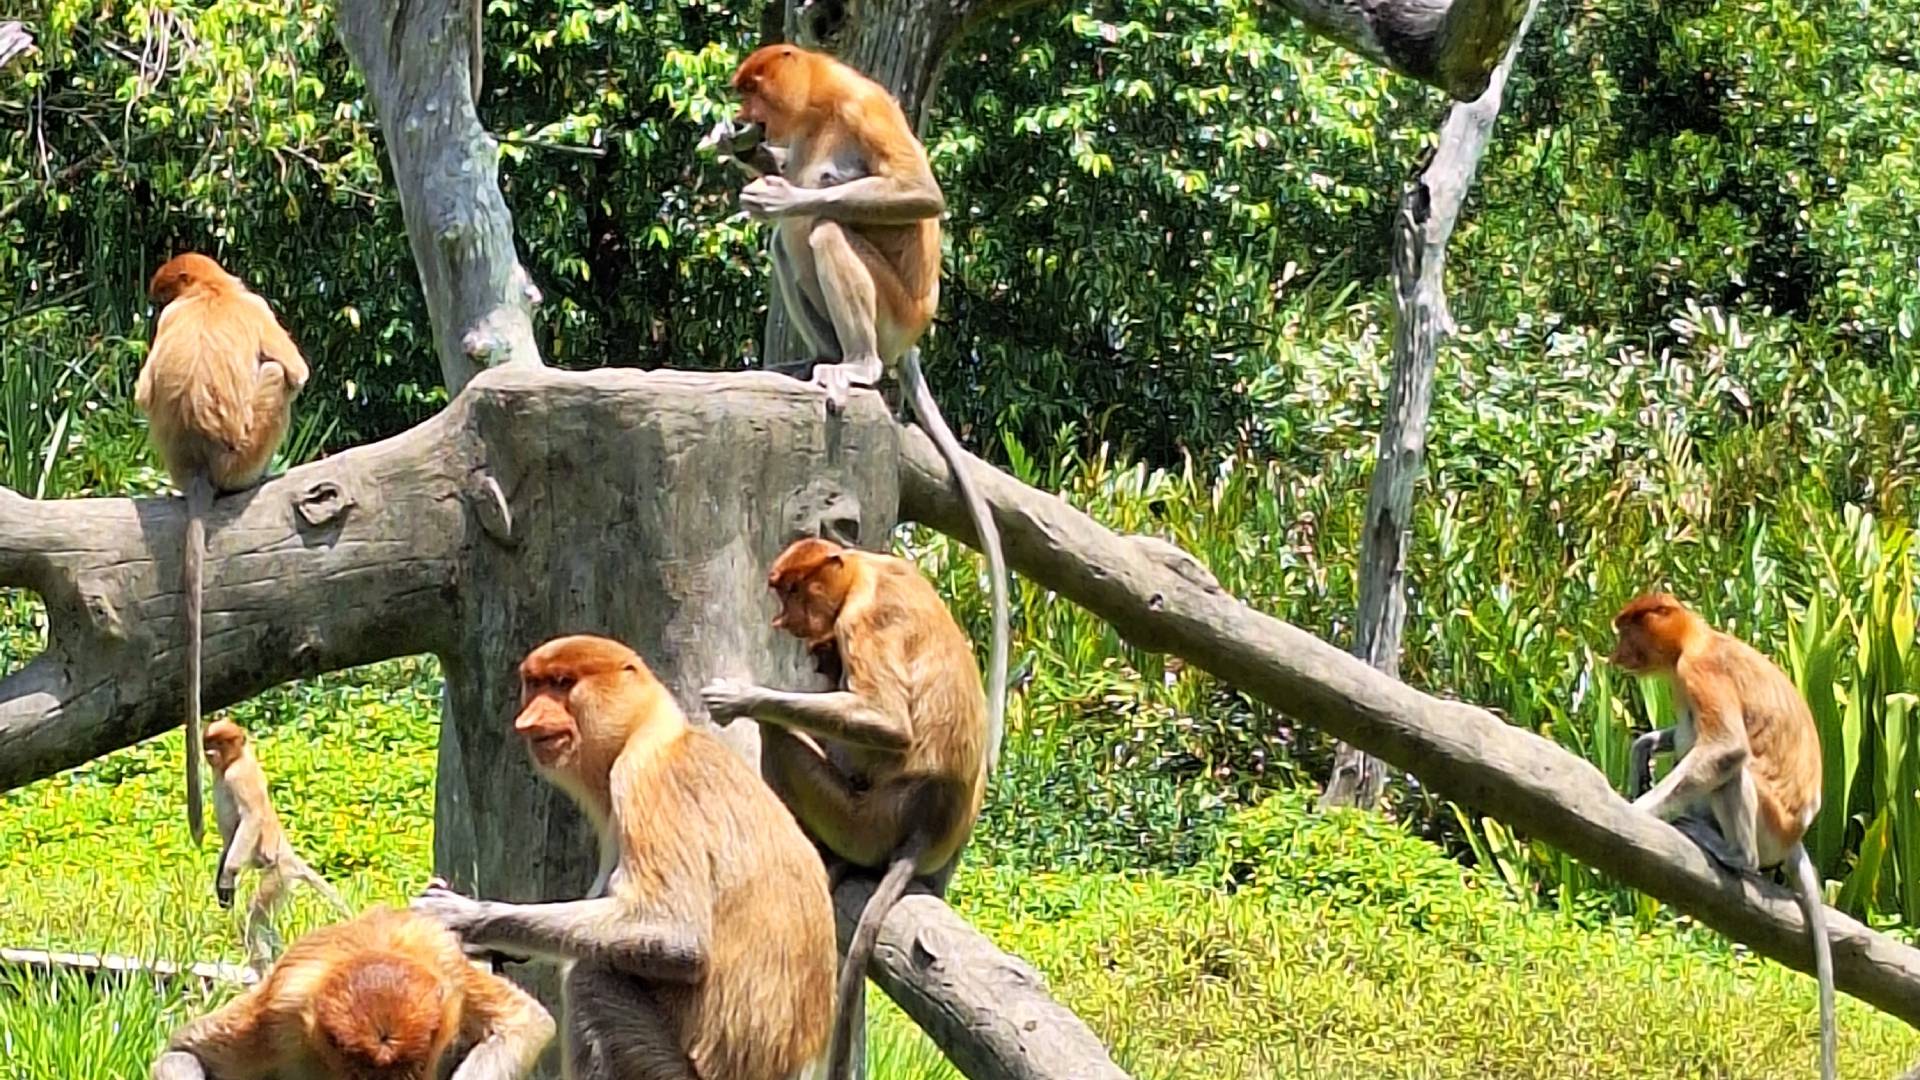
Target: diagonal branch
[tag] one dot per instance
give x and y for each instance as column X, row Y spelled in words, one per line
column 1161, row 599
column 988, row 1011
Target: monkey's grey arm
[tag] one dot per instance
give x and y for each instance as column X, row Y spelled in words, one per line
column 1701, row 771
column 607, row 930
column 836, row 714
column 178, row 1065
column 870, row 200
column 1640, row 759
column 862, row 200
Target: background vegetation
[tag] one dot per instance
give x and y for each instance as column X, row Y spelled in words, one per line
column 1687, row 292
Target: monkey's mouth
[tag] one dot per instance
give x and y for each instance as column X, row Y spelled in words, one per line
column 547, row 749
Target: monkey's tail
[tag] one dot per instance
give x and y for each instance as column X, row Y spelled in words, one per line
column 319, row 884
column 192, row 565
column 1815, row 911
column 928, row 411
column 853, row 973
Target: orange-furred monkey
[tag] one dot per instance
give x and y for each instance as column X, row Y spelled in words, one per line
column 386, row 996
column 711, row 956
column 857, row 257
column 1749, row 759
column 250, row 835
column 218, row 388
column 908, row 731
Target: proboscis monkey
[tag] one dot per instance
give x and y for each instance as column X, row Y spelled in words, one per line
column 251, row 836
column 857, row 257
column 385, row 996
column 1749, row 759
column 907, row 731
column 713, row 953
column 218, row 388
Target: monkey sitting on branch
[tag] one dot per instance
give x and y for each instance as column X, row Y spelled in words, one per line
column 906, row 730
column 388, row 994
column 856, row 255
column 712, row 954
column 1746, row 785
column 251, row 836
column 218, row 387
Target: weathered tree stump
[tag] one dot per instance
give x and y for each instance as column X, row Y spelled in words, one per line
column 643, row 506
column 646, row 509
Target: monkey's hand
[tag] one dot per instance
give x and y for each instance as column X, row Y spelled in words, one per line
column 729, row 699
column 457, row 913
column 223, row 891
column 770, row 197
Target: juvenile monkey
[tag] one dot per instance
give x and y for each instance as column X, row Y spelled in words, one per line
column 712, row 955
column 857, row 255
column 218, row 388
column 251, row 836
column 908, row 731
column 1749, row 759
column 385, row 996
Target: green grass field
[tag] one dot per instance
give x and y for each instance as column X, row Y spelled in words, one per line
column 1302, row 945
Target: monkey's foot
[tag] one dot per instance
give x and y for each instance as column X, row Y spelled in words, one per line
column 1706, row 835
column 838, row 380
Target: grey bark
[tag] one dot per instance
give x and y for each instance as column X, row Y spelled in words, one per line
column 1161, row 599
column 641, row 505
column 417, row 58
column 1451, row 45
column 1429, row 207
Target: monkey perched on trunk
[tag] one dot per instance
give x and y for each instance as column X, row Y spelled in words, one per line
column 387, row 995
column 218, row 388
column 250, row 835
column 908, row 731
column 857, row 256
column 1749, row 764
column 712, row 955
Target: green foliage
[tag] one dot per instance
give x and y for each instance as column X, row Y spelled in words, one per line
column 1298, row 944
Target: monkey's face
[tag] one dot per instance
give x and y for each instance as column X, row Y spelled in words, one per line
column 220, row 755
column 1650, row 630
column 222, row 742
column 809, row 606
column 772, row 84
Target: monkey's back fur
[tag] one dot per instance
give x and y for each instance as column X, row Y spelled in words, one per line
column 900, row 646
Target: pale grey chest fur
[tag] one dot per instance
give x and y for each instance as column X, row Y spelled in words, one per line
column 226, row 813
column 1684, row 732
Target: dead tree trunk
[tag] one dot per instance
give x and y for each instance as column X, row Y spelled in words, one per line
column 1429, row 207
